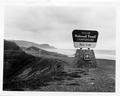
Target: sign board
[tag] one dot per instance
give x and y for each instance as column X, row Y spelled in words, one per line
column 84, row 38
column 87, row 57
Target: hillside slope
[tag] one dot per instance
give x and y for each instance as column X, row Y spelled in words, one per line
column 35, row 51
column 27, row 44
column 19, row 65
column 25, row 71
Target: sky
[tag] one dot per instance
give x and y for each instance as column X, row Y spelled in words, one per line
column 54, row 24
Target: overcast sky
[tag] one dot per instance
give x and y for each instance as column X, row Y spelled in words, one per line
column 54, row 24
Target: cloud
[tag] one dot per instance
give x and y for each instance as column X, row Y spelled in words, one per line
column 54, row 24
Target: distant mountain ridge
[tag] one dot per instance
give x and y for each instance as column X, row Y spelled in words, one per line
column 40, row 52
column 27, row 44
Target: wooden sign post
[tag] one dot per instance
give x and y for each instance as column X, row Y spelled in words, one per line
column 85, row 39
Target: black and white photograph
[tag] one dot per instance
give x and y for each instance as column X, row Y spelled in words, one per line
column 59, row 48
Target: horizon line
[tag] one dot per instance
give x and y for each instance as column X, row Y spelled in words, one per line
column 53, row 45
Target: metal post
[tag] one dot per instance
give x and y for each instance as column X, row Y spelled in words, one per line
column 39, row 53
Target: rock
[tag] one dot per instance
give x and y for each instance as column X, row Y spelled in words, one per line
column 81, row 61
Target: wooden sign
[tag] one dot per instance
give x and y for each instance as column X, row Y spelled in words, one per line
column 84, row 38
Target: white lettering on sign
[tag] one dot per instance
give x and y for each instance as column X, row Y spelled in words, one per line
column 81, row 36
column 91, row 36
column 85, row 32
column 84, row 38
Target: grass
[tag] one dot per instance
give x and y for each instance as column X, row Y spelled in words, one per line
column 54, row 73
column 96, row 80
column 72, row 80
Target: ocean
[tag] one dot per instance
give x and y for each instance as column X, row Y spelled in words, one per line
column 99, row 54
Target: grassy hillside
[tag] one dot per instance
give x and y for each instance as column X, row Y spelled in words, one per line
column 26, row 70
column 14, row 58
column 100, row 79
column 35, row 51
column 17, row 61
